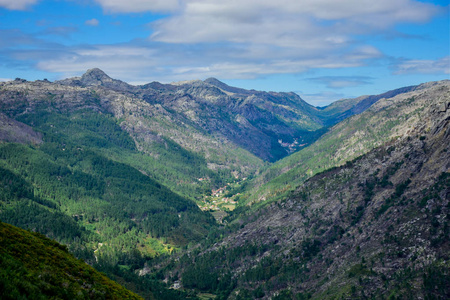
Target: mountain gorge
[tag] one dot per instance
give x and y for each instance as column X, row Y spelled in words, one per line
column 395, row 114
column 121, row 174
column 376, row 227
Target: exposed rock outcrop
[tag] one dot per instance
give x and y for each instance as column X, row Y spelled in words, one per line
column 12, row 131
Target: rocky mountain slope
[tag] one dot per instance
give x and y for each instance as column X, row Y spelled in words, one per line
column 16, row 132
column 342, row 109
column 376, row 227
column 251, row 120
column 388, row 118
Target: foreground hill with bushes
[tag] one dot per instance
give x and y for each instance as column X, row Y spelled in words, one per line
column 34, row 267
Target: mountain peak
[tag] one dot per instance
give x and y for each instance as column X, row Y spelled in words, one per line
column 213, row 81
column 95, row 76
column 95, row 71
column 225, row 87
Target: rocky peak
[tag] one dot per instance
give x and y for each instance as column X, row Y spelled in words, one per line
column 214, row 81
column 225, row 87
column 95, row 77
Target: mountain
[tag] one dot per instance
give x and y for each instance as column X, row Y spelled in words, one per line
column 118, row 172
column 71, row 172
column 342, row 109
column 246, row 119
column 385, row 120
column 96, row 77
column 253, row 120
column 376, row 227
column 35, row 267
column 182, row 132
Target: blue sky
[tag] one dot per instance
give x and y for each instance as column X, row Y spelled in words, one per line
column 324, row 50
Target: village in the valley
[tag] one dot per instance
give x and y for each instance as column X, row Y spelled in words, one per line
column 220, row 201
column 223, row 200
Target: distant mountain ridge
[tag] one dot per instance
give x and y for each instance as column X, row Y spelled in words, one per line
column 233, row 130
column 228, row 126
column 256, row 121
column 359, row 105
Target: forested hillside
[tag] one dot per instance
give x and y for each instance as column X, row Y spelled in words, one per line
column 106, row 212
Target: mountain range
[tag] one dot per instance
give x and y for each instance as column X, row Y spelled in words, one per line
column 348, row 200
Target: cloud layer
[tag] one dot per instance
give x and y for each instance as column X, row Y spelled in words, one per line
column 135, row 6
column 286, row 23
column 251, row 38
column 339, row 82
column 229, row 39
column 417, row 66
column 17, row 4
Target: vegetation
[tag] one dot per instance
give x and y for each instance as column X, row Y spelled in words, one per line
column 349, row 232
column 174, row 166
column 35, row 267
column 107, row 212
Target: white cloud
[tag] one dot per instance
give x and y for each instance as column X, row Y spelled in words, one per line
column 233, row 39
column 286, row 22
column 135, row 6
column 17, row 4
column 92, row 22
column 414, row 66
column 5, row 79
column 339, row 82
column 321, row 99
column 286, row 36
column 144, row 62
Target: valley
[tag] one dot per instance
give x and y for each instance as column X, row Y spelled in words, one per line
column 227, row 193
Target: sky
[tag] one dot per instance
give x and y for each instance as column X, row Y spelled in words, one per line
column 323, row 50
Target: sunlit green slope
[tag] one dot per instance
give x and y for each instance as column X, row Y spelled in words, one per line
column 35, row 267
